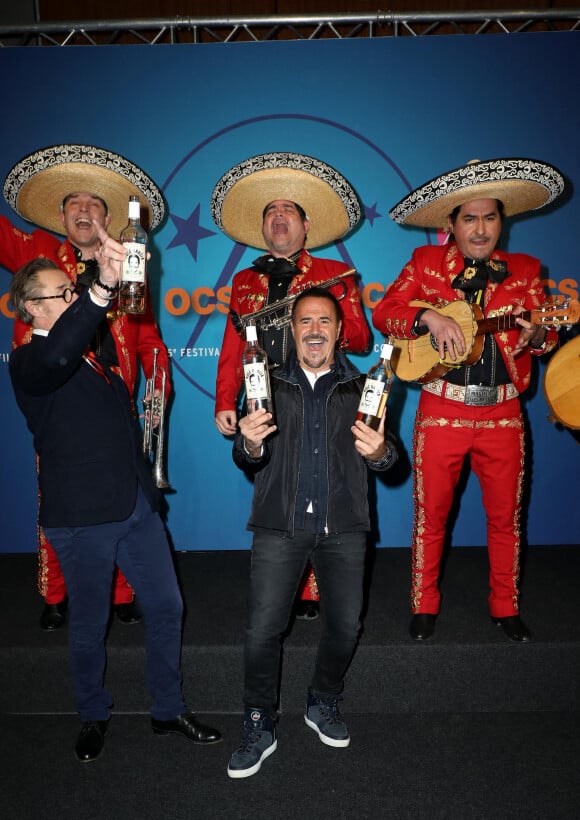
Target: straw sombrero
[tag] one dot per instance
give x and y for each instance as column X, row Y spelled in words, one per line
column 240, row 196
column 521, row 184
column 37, row 185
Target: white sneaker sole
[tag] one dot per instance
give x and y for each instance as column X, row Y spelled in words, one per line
column 237, row 773
column 328, row 741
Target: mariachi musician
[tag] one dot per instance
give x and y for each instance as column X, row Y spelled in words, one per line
column 472, row 409
column 63, row 188
column 280, row 202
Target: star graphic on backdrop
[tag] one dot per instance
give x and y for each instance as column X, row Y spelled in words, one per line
column 189, row 232
column 371, row 213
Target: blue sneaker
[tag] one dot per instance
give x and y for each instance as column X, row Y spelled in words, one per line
column 258, row 743
column 323, row 716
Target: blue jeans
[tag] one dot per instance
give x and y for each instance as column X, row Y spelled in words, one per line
column 87, row 556
column 276, row 569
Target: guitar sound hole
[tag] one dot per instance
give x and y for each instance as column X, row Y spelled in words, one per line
column 435, row 346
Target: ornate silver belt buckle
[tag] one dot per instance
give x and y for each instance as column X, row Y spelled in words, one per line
column 479, row 395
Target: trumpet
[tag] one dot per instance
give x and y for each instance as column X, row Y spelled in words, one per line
column 155, row 406
column 278, row 314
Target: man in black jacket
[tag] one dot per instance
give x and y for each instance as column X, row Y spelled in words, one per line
column 98, row 499
column 310, row 503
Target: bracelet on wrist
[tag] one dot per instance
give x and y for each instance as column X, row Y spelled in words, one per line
column 112, row 289
column 383, row 461
column 253, row 453
column 103, row 297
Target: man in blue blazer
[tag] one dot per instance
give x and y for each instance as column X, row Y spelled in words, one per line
column 98, row 498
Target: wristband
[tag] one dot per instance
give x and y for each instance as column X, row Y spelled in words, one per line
column 109, row 288
column 416, row 329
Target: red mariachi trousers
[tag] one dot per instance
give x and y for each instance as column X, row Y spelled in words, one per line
column 51, row 583
column 447, row 431
column 308, row 589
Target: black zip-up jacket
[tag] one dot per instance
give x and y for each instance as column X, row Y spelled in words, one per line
column 276, row 470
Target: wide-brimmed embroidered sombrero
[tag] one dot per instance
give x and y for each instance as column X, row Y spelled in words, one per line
column 240, row 196
column 37, row 185
column 521, row 184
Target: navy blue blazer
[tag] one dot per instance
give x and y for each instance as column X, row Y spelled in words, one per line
column 85, row 432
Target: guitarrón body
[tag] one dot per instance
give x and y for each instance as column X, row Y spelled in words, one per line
column 562, row 384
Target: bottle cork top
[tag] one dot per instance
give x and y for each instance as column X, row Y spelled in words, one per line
column 134, row 207
column 386, row 350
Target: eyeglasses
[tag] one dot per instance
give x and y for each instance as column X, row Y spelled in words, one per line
column 67, row 295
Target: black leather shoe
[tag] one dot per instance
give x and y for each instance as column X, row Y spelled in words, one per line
column 307, row 610
column 53, row 616
column 422, row 626
column 91, row 740
column 128, row 613
column 514, row 628
column 188, row 726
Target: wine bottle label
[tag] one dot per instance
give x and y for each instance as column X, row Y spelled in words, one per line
column 371, row 400
column 134, row 262
column 256, row 378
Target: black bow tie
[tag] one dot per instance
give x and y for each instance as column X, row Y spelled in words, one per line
column 275, row 266
column 476, row 273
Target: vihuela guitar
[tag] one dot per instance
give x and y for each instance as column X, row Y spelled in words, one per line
column 418, row 359
column 562, row 385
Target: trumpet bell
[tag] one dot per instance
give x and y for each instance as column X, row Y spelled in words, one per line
column 155, row 406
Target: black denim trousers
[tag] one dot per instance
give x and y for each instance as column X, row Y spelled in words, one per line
column 277, row 565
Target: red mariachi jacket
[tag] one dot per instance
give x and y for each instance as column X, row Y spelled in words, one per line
column 249, row 292
column 428, row 276
column 134, row 336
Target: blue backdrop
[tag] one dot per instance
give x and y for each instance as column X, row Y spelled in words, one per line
column 389, row 114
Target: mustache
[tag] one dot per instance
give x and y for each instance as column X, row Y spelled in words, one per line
column 314, row 337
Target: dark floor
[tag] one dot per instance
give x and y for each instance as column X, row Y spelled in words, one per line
column 468, row 726
column 406, row 767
